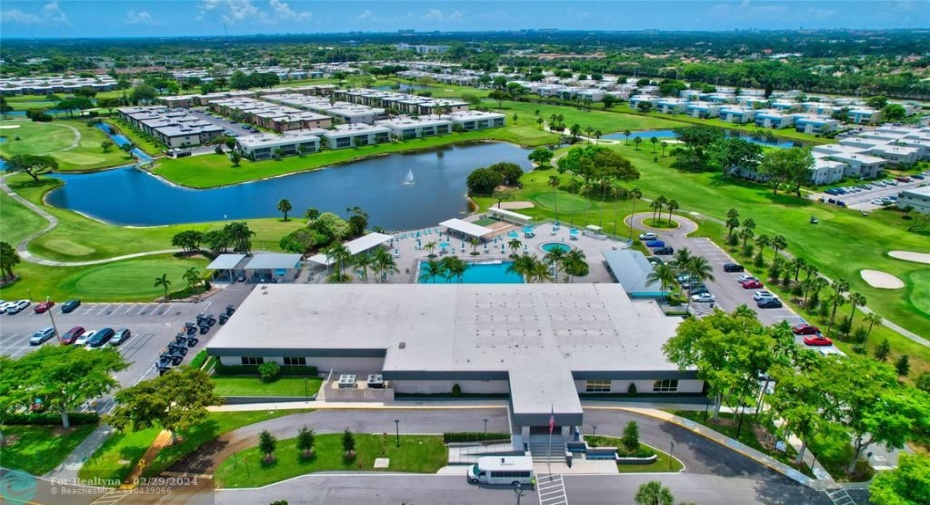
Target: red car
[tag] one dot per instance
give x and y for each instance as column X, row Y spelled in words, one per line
column 43, row 307
column 71, row 335
column 751, row 284
column 805, row 329
column 817, row 340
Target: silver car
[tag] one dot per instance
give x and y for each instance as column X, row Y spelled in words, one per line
column 42, row 335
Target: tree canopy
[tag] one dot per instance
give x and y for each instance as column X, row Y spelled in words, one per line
column 32, row 165
column 787, row 166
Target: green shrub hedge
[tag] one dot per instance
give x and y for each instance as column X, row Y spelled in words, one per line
column 473, row 436
column 199, row 359
column 51, row 418
column 300, row 371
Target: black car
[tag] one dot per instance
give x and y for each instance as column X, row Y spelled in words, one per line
column 769, row 303
column 101, row 337
column 663, row 250
column 121, row 336
column 697, row 290
column 733, row 267
column 69, row 306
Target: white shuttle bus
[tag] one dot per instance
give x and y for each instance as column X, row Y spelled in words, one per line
column 507, row 470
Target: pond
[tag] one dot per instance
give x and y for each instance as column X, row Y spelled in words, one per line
column 779, row 142
column 380, row 186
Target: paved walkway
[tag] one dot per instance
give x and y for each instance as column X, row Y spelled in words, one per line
column 68, row 469
column 410, row 405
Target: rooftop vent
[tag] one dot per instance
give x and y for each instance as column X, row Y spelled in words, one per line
column 402, row 345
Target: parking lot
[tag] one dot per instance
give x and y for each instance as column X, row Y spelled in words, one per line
column 220, row 121
column 862, row 200
column 153, row 326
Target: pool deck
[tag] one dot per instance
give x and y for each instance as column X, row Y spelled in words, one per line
column 407, row 251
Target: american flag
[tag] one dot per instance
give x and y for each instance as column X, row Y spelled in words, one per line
column 552, row 421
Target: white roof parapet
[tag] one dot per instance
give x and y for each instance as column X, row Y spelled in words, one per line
column 465, row 227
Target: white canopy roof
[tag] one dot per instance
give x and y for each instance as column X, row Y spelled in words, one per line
column 225, row 262
column 273, row 261
column 466, row 227
column 356, row 246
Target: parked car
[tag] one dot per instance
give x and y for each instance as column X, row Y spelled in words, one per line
column 120, row 336
column 663, row 251
column 655, row 243
column 751, row 284
column 817, row 340
column 746, row 277
column 41, row 336
column 758, row 295
column 733, row 267
column 647, row 236
column 769, row 303
column 102, row 336
column 919, row 177
column 702, row 298
column 697, row 290
column 891, row 182
column 903, row 178
column 17, row 307
column 805, row 329
column 85, row 337
column 877, row 201
column 4, row 305
column 71, row 335
column 43, row 307
column 69, row 306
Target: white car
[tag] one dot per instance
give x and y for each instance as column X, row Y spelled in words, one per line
column 17, row 307
column 746, row 277
column 703, row 298
column 85, row 337
column 877, row 201
column 648, row 236
column 758, row 295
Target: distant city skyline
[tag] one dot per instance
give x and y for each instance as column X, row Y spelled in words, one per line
column 143, row 18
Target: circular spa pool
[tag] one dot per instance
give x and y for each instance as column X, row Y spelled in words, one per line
column 552, row 246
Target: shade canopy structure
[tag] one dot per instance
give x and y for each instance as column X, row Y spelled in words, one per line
column 593, row 227
column 509, row 216
column 356, row 246
column 470, row 229
column 226, row 262
column 632, row 269
column 273, row 261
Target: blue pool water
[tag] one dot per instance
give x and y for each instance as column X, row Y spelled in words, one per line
column 478, row 273
column 669, row 134
column 552, row 246
column 645, row 134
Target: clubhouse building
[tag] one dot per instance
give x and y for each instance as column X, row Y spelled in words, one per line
column 542, row 345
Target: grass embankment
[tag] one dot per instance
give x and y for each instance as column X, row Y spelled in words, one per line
column 664, row 462
column 416, row 454
column 16, row 221
column 147, row 144
column 39, row 449
column 56, row 139
column 828, row 245
column 606, row 122
column 254, row 386
column 114, row 460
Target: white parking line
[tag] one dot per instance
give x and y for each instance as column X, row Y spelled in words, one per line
column 117, row 309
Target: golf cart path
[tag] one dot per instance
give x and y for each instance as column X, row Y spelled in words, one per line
column 77, row 137
column 22, row 246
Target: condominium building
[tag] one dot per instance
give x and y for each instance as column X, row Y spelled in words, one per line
column 356, row 135
column 171, row 127
column 915, row 198
column 405, row 128
column 265, row 146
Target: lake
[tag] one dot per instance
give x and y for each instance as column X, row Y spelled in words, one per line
column 129, row 196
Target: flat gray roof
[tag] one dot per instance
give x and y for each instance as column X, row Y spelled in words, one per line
column 226, row 262
column 631, row 269
column 272, row 261
column 539, row 333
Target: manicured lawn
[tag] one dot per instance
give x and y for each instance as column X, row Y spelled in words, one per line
column 663, row 464
column 16, row 221
column 254, row 386
column 606, row 122
column 117, row 456
column 29, row 102
column 56, row 138
column 416, row 454
column 39, row 449
column 147, row 144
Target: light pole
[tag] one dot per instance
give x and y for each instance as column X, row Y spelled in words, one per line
column 397, row 430
column 594, row 430
column 671, row 450
column 485, row 426
column 54, row 326
column 518, row 489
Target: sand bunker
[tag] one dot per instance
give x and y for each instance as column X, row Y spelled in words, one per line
column 9, row 126
column 881, row 280
column 517, row 205
column 911, row 256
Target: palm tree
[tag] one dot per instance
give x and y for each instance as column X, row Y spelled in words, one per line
column 539, row 122
column 364, row 262
column 340, row 255
column 597, row 136
column 284, row 206
column 798, row 264
column 656, row 207
column 779, row 242
column 164, row 283
column 555, row 258
column 627, row 133
column 589, row 130
column 653, row 493
column 384, row 264
column 700, row 270
column 429, row 248
column 743, row 311
column 763, row 241
column 873, row 319
column 749, row 223
column 856, row 300
column 636, row 142
column 431, row 271
column 523, row 265
column 575, row 264
column 540, row 272
column 653, row 141
column 474, row 246
column 682, row 259
column 634, row 194
column 836, row 299
column 810, row 270
column 664, row 275
column 672, row 207
column 514, row 246
column 664, row 145
column 746, row 234
column 554, row 184
column 455, row 267
column 192, row 277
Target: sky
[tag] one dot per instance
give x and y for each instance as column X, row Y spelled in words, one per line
column 167, row 18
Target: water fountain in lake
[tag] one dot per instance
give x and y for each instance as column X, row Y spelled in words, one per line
column 409, row 179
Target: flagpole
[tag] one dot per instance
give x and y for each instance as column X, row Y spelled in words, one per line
column 551, row 428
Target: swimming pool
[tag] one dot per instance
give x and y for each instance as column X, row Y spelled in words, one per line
column 552, row 246
column 476, row 273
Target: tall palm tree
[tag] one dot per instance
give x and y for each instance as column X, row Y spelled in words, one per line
column 540, row 272
column 364, row 262
column 597, row 136
column 627, row 133
column 700, row 269
column 683, row 259
column 873, row 319
column 672, row 207
column 664, row 275
column 653, row 493
column 431, row 270
column 474, row 246
column 779, row 242
column 554, row 184
column 636, row 142
column 164, row 283
column 653, row 141
column 554, row 258
column 193, row 277
column 746, row 234
column 798, row 264
column 763, row 241
column 384, row 264
column 835, row 299
column 514, row 246
column 743, row 311
column 589, row 130
column 856, row 300
column 664, row 145
column 430, row 247
column 523, row 266
column 284, row 206
column 656, row 207
column 340, row 255
column 810, row 270
column 575, row 264
column 816, row 285
column 634, row 194
column 455, row 268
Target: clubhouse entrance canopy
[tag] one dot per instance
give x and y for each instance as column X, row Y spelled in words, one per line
column 277, row 266
column 466, row 228
column 228, row 263
column 356, row 246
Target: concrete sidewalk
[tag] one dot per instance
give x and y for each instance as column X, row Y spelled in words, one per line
column 67, row 471
column 318, row 405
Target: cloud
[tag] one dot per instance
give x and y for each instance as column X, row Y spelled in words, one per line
column 233, row 11
column 50, row 14
column 284, row 11
column 141, row 18
column 368, row 16
column 437, row 15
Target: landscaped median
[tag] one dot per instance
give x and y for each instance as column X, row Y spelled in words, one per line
column 39, row 449
column 415, row 454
